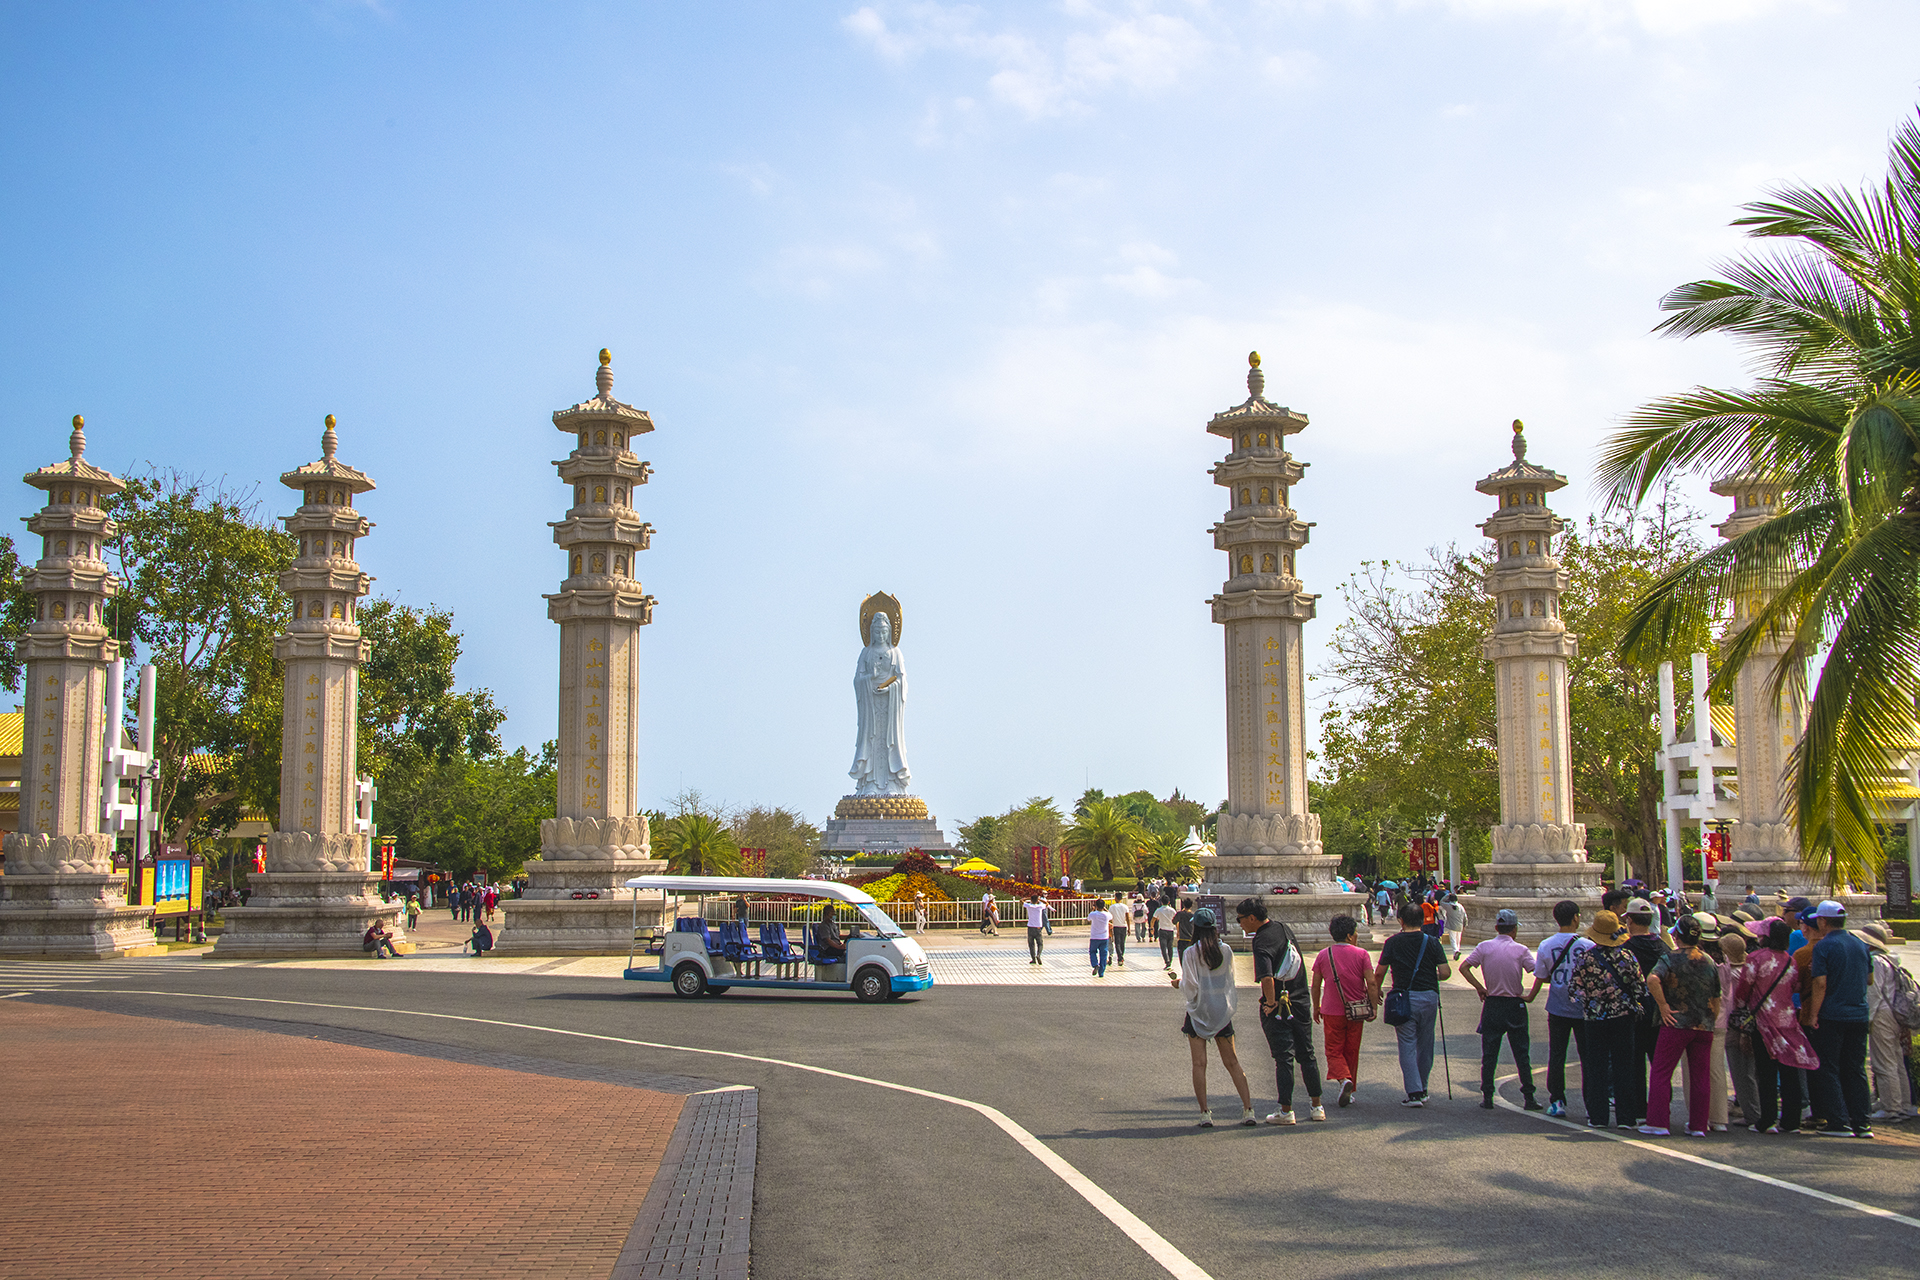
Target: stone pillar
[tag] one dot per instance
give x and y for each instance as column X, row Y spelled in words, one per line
column 574, row 903
column 60, row 896
column 1539, row 851
column 1267, row 843
column 1765, row 843
column 319, row 893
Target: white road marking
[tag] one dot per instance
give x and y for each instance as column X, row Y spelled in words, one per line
column 1671, row 1153
column 1157, row 1247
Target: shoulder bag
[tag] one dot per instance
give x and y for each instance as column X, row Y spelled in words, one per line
column 1740, row 1021
column 1357, row 1010
column 1398, row 1006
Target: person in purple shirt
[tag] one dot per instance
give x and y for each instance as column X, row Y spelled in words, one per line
column 1503, row 1010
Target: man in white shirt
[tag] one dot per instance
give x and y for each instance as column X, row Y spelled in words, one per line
column 989, row 914
column 1139, row 918
column 1036, row 928
column 1552, row 966
column 1100, row 936
column 1163, row 930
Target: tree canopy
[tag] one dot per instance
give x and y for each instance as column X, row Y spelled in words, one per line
column 1829, row 308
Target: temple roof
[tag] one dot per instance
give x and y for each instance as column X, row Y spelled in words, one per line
column 1520, row 471
column 603, row 407
column 75, row 468
column 328, row 468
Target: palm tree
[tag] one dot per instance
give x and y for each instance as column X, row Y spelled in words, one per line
column 1171, row 855
column 1833, row 314
column 698, row 844
column 1103, row 841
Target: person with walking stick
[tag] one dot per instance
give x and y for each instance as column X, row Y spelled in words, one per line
column 1417, row 964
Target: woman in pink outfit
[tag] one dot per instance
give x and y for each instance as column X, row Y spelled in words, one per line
column 1342, row 977
column 1780, row 1048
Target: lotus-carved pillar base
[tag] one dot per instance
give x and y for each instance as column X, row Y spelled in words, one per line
column 61, row 900
column 316, row 898
column 575, row 902
column 1535, row 864
column 1278, row 858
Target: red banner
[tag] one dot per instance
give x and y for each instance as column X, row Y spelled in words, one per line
column 1423, row 853
column 1713, row 853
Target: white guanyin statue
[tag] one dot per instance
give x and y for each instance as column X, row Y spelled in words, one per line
column 880, row 696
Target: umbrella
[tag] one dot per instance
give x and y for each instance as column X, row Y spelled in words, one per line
column 976, row 864
column 1389, row 884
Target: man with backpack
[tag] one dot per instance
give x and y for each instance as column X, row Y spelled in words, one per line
column 1552, row 966
column 1893, row 1008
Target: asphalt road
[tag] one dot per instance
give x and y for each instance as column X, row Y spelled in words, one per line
column 853, row 1179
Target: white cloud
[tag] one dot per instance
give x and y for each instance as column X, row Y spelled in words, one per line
column 1056, row 73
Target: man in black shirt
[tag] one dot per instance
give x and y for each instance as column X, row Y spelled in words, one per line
column 1645, row 945
column 1417, row 965
column 1285, row 1014
column 1183, row 927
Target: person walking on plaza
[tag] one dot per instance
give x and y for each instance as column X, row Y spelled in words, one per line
column 1552, row 966
column 1206, row 983
column 1887, row 1038
column 1036, row 927
column 989, row 915
column 1606, row 986
column 1417, row 965
column 1503, row 1010
column 1736, row 1043
column 1685, row 985
column 919, row 911
column 1117, row 930
column 1099, row 936
column 1163, row 928
column 1183, row 926
column 1835, row 1014
column 1342, row 1002
column 413, row 912
column 1139, row 910
column 1780, row 1048
column 1281, row 972
column 1454, row 917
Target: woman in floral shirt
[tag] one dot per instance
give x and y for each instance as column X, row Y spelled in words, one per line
column 1780, row 1047
column 1606, row 984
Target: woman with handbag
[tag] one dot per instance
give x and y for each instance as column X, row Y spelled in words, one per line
column 1342, row 1005
column 1763, row 1007
column 1417, row 964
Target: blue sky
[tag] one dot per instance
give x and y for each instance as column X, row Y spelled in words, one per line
column 932, row 299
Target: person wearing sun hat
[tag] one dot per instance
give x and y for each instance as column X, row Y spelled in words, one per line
column 1887, row 1040
column 1606, row 985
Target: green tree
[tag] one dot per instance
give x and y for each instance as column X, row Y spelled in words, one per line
column 472, row 816
column 980, row 838
column 1830, row 310
column 201, row 600
column 1103, row 841
column 1169, row 855
column 410, row 711
column 697, row 843
column 788, row 838
column 16, row 611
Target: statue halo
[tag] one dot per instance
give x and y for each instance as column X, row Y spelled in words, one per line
column 879, row 602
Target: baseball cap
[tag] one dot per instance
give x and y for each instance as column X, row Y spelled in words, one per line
column 1828, row 910
column 1638, row 907
column 1795, row 906
column 1507, row 919
column 1204, row 916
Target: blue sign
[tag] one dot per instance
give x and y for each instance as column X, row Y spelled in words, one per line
column 173, row 878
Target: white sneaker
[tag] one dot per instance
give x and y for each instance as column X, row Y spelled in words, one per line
column 1282, row 1117
column 1248, row 1118
column 1317, row 1113
column 1206, row 1120
column 1652, row 1132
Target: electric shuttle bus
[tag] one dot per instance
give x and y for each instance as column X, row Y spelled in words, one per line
column 873, row 958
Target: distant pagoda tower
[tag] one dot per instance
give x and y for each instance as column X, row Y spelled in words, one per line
column 1539, row 851
column 1764, row 845
column 319, row 893
column 60, row 896
column 1268, row 841
column 599, row 837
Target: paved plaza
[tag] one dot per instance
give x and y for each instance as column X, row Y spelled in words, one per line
column 441, row 1115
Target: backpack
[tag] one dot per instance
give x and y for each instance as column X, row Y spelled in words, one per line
column 1905, row 999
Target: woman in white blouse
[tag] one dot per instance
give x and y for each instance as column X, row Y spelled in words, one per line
column 1206, row 980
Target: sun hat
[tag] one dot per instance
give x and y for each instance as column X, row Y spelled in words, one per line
column 1607, row 931
column 1875, row 935
column 1829, row 910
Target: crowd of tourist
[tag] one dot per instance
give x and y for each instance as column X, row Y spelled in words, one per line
column 1784, row 1021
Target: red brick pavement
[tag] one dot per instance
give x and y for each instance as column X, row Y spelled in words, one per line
column 137, row 1147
